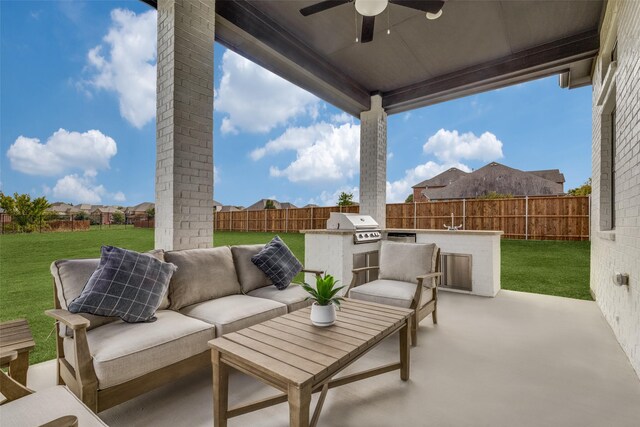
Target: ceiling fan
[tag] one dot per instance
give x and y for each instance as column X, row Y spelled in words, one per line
column 369, row 9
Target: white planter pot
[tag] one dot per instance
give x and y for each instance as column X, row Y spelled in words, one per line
column 323, row 315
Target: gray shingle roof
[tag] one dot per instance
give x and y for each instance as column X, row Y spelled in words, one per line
column 445, row 178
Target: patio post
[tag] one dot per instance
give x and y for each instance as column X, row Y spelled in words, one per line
column 373, row 161
column 184, row 131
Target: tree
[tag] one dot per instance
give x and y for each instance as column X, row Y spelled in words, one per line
column 409, row 199
column 583, row 190
column 494, row 195
column 117, row 218
column 151, row 213
column 269, row 204
column 345, row 199
column 81, row 216
column 26, row 213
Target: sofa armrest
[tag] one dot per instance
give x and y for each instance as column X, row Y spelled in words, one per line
column 71, row 320
column 316, row 272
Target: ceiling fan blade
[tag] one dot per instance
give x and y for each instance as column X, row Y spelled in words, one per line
column 367, row 29
column 322, row 6
column 431, row 6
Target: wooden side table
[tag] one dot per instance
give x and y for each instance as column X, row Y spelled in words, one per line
column 15, row 335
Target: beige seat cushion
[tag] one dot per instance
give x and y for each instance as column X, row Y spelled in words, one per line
column 124, row 351
column 390, row 292
column 293, row 296
column 202, row 275
column 235, row 312
column 249, row 276
column 406, row 261
column 45, row 406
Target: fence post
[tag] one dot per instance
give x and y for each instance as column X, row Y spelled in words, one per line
column 526, row 218
column 415, row 214
column 264, row 212
column 230, row 220
column 464, row 214
column 311, row 226
column 286, row 220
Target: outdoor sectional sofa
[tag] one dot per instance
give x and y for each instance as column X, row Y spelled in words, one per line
column 106, row 361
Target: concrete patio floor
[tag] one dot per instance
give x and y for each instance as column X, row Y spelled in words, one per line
column 515, row 360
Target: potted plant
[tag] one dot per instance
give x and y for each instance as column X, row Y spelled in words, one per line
column 325, row 300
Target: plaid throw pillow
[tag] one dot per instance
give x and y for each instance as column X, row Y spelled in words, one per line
column 278, row 262
column 126, row 284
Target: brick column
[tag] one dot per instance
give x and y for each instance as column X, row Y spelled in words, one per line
column 184, row 152
column 373, row 161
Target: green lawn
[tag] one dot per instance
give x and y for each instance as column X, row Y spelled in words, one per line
column 26, row 290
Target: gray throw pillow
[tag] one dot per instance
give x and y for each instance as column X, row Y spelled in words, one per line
column 278, row 262
column 126, row 284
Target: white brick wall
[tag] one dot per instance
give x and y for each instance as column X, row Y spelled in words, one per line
column 618, row 250
column 373, row 161
column 184, row 152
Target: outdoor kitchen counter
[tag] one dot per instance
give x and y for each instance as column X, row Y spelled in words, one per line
column 324, row 231
column 433, row 231
column 480, row 248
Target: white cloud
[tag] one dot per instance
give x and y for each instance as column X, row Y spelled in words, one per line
column 450, row 146
column 342, row 118
column 397, row 191
column 63, row 151
column 256, row 100
column 128, row 67
column 78, row 189
column 324, row 152
column 83, row 189
column 330, row 198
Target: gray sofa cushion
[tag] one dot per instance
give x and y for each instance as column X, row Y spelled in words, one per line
column 278, row 262
column 235, row 312
column 406, row 261
column 249, row 276
column 124, row 351
column 294, row 296
column 126, row 284
column 203, row 274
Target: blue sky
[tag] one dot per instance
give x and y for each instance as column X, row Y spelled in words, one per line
column 77, row 123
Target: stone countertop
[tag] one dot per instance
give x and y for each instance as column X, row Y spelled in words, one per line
column 431, row 231
column 408, row 230
column 324, row 231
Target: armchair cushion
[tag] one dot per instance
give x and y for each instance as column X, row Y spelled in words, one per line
column 126, row 284
column 249, row 276
column 384, row 291
column 404, row 262
column 124, row 351
column 203, row 274
column 278, row 262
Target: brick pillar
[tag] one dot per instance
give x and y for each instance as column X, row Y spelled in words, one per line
column 373, row 161
column 184, row 152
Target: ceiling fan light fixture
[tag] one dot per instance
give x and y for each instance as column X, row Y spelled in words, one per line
column 371, row 7
column 434, row 16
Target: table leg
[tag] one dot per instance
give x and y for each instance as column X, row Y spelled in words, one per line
column 405, row 354
column 220, row 389
column 299, row 402
column 18, row 368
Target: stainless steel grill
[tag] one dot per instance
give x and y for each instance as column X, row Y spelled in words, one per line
column 365, row 228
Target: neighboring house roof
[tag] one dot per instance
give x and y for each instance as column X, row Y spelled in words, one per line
column 141, row 207
column 262, row 203
column 216, row 203
column 445, row 178
column 228, row 208
column 87, row 207
column 311, row 205
column 495, row 177
column 287, row 205
column 550, row 174
column 107, row 209
column 62, row 208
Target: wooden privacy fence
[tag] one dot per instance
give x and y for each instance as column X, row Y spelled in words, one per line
column 537, row 218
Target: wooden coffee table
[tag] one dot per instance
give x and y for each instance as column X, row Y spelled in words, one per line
column 15, row 335
column 292, row 355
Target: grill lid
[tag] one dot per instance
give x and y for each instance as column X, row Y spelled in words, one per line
column 351, row 221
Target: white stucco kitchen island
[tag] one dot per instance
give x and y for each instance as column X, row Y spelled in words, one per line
column 335, row 252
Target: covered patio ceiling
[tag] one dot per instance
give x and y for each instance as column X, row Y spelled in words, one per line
column 473, row 47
